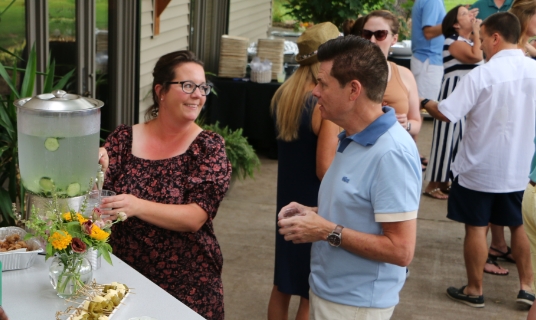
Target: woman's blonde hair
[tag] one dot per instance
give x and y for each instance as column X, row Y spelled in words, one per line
column 288, row 101
column 523, row 10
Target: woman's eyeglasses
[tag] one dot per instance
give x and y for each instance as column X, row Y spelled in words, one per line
column 378, row 34
column 189, row 87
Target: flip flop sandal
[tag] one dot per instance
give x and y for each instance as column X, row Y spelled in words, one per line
column 446, row 191
column 434, row 194
column 493, row 262
column 503, row 255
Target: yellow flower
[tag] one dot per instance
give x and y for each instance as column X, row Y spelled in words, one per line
column 60, row 240
column 98, row 234
column 67, row 217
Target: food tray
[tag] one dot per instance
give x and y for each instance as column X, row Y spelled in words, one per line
column 18, row 260
column 77, row 312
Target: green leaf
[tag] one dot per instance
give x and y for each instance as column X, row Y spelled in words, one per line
column 63, row 80
column 74, row 229
column 49, row 250
column 49, row 77
column 5, row 122
column 106, row 255
column 5, row 207
column 2, row 149
column 11, row 53
column 7, row 79
column 28, row 81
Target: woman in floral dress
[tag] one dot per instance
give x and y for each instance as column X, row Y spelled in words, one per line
column 170, row 177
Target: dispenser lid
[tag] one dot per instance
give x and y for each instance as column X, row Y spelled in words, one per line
column 59, row 100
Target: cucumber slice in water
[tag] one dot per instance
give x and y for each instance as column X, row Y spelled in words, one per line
column 73, row 189
column 46, row 184
column 52, row 144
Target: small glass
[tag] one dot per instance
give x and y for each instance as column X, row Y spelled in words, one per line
column 94, row 201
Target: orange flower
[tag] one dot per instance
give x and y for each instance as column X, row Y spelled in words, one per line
column 67, row 216
column 97, row 233
column 60, row 240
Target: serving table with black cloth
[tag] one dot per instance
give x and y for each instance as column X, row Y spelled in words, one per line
column 404, row 61
column 244, row 104
column 28, row 294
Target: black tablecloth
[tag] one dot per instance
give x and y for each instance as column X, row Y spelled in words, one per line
column 244, row 104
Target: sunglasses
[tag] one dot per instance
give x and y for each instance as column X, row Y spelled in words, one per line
column 378, row 34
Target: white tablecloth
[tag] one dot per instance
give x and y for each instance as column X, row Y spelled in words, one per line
column 28, row 294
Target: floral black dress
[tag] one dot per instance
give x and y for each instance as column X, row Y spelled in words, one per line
column 188, row 265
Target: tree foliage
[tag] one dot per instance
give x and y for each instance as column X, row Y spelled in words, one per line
column 335, row 11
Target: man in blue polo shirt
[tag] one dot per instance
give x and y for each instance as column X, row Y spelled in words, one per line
column 427, row 46
column 365, row 230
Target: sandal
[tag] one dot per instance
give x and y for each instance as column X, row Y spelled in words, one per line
column 494, row 262
column 436, row 194
column 446, row 191
column 503, row 255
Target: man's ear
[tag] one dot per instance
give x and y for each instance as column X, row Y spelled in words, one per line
column 355, row 89
column 496, row 38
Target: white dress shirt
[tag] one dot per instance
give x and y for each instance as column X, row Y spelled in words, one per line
column 499, row 99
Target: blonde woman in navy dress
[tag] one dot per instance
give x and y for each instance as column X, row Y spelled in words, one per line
column 461, row 53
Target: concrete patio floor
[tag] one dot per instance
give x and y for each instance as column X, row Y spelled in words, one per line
column 245, row 227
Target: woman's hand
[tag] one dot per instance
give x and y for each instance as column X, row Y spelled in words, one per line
column 126, row 203
column 530, row 49
column 476, row 29
column 402, row 119
column 103, row 159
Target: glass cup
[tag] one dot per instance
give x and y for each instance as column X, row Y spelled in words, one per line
column 94, row 200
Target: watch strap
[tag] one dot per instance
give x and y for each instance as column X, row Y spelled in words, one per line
column 338, row 229
column 424, row 102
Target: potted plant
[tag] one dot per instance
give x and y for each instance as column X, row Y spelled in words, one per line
column 11, row 190
column 240, row 153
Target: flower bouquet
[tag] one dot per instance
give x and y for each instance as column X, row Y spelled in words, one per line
column 68, row 237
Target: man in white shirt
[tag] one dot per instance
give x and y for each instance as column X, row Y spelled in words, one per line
column 490, row 170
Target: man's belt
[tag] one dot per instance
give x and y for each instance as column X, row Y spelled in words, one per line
column 532, row 183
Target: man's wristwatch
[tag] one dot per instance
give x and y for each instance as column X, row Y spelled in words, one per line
column 335, row 237
column 408, row 128
column 424, row 102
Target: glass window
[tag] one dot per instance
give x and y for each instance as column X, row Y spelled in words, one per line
column 12, row 35
column 62, row 38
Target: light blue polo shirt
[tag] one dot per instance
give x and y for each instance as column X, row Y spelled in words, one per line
column 375, row 177
column 427, row 13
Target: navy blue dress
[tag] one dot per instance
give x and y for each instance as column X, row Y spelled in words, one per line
column 296, row 181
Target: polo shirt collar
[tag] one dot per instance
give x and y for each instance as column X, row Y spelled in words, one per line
column 372, row 132
column 507, row 3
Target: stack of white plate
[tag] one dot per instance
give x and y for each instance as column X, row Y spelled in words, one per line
column 233, row 57
column 273, row 50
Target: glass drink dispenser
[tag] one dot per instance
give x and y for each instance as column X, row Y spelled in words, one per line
column 58, row 140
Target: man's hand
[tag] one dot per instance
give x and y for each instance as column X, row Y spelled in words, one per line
column 306, row 226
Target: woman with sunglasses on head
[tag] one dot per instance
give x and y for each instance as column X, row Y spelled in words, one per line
column 381, row 27
column 170, row 176
column 461, row 53
column 525, row 11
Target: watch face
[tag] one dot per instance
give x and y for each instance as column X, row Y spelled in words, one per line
column 334, row 240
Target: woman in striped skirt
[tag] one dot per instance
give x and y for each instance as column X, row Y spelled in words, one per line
column 461, row 53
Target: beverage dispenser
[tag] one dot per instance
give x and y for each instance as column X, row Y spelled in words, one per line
column 58, row 140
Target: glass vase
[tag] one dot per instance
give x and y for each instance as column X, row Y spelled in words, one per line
column 69, row 273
